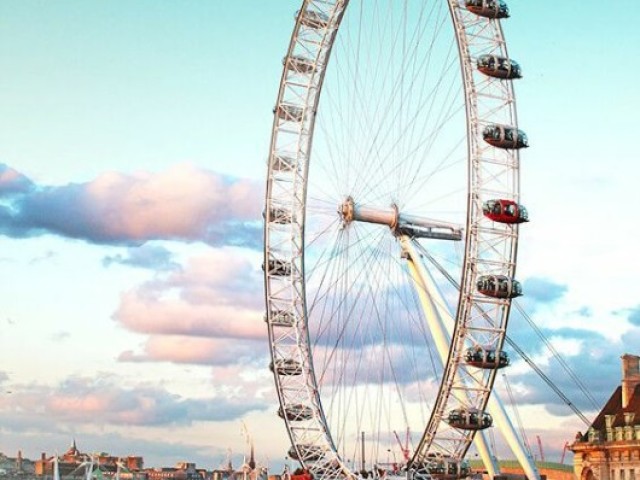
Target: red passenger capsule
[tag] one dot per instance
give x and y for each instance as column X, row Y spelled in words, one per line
column 505, row 211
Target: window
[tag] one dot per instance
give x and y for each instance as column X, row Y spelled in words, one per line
column 608, row 420
column 622, row 474
column 632, row 474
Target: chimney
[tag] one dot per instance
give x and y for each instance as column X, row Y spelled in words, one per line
column 630, row 377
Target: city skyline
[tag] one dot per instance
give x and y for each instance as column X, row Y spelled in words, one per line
column 163, row 112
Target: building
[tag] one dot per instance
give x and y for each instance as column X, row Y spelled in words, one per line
column 512, row 470
column 182, row 471
column 16, row 466
column 73, row 463
column 610, row 449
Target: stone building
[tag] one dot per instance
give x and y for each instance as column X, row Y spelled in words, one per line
column 182, row 471
column 71, row 463
column 15, row 466
column 610, row 449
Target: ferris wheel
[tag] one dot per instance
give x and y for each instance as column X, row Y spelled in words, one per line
column 390, row 248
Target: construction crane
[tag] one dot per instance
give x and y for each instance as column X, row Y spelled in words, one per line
column 249, row 439
column 564, row 450
column 406, row 454
column 540, row 448
column 228, row 461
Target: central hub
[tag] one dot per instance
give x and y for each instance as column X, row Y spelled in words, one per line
column 399, row 223
column 346, row 210
column 382, row 216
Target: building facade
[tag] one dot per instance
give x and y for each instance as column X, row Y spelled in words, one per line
column 610, row 449
column 73, row 461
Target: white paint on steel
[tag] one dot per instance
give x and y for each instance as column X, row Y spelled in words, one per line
column 443, row 322
column 489, row 248
column 441, row 325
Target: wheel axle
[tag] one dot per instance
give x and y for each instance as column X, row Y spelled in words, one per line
column 399, row 223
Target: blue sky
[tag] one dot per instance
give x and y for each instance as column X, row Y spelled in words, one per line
column 163, row 110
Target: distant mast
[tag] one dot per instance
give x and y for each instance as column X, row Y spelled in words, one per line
column 363, row 471
column 229, row 460
column 252, row 460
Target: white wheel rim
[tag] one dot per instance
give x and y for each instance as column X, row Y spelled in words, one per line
column 490, row 248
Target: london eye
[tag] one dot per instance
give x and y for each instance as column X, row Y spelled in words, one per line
column 390, row 246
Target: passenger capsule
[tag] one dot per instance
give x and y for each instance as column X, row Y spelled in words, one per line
column 499, row 286
column 447, row 469
column 283, row 163
column 469, row 419
column 505, row 211
column 486, row 358
column 299, row 64
column 279, row 215
column 488, row 8
column 296, row 412
column 499, row 67
column 290, row 113
column 280, row 268
column 281, row 318
column 286, row 366
column 503, row 136
column 313, row 19
column 308, row 453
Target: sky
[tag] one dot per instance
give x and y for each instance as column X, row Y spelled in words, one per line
column 133, row 146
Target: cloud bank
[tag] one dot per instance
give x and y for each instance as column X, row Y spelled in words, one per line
column 100, row 400
column 217, row 295
column 199, row 351
column 544, row 290
column 634, row 316
column 147, row 256
column 183, row 203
